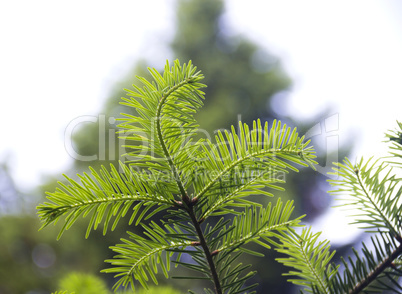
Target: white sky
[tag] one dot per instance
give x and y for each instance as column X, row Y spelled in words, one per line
column 347, row 54
column 58, row 60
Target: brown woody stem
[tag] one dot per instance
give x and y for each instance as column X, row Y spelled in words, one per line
column 208, row 254
column 388, row 262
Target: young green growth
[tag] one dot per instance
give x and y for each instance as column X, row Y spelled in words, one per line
column 189, row 183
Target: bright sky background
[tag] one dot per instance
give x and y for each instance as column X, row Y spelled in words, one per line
column 59, row 59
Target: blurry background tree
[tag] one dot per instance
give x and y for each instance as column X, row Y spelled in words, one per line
column 244, row 81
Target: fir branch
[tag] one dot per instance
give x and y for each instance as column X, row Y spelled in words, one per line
column 374, row 194
column 255, row 224
column 387, row 219
column 380, row 268
column 310, row 259
column 268, row 146
column 160, row 141
column 138, row 258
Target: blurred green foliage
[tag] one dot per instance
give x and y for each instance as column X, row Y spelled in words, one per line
column 83, row 283
column 86, row 283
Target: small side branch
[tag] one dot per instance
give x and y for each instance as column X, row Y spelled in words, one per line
column 388, row 262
